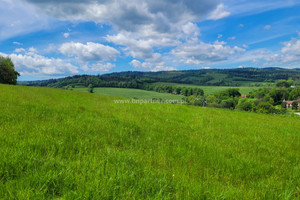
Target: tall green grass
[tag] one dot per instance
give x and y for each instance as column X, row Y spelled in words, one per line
column 72, row 145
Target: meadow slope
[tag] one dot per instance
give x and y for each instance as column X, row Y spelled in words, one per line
column 132, row 93
column 72, row 145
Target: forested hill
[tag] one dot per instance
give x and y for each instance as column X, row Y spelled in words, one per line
column 209, row 77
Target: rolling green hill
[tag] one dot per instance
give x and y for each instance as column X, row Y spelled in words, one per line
column 208, row 77
column 73, row 145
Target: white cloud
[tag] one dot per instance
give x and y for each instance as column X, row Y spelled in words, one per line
column 267, row 27
column 19, row 50
column 232, row 38
column 30, row 63
column 219, row 13
column 17, row 43
column 99, row 67
column 19, row 17
column 191, row 29
column 241, row 25
column 141, row 65
column 292, row 47
column 51, row 48
column 129, row 15
column 197, row 52
column 141, row 49
column 141, row 25
column 66, row 35
column 89, row 51
column 154, row 67
column 32, row 50
column 219, row 36
column 162, row 68
column 288, row 56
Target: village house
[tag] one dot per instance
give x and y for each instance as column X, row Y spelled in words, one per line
column 289, row 104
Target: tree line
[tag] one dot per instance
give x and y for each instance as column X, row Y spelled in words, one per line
column 263, row 100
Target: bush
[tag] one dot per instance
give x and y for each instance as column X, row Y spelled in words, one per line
column 91, row 88
column 245, row 104
column 265, row 107
column 295, row 105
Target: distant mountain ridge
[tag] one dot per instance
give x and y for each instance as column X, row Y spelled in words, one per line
column 208, row 77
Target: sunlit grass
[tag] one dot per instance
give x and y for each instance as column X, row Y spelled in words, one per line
column 72, row 145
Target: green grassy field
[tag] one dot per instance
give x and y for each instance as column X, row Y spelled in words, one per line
column 212, row 89
column 132, row 93
column 60, row 144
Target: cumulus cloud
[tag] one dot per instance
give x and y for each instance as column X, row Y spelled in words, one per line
column 219, row 13
column 141, row 65
column 19, row 50
column 292, row 47
column 154, row 67
column 162, row 68
column 289, row 55
column 191, row 29
column 98, row 67
column 136, row 48
column 30, row 63
column 141, row 25
column 126, row 15
column 197, row 52
column 90, row 51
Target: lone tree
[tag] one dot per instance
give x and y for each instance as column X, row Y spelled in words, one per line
column 8, row 75
column 91, row 88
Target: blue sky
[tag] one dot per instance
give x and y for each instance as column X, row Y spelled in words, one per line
column 57, row 38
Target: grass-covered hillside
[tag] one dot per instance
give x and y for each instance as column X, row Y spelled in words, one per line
column 132, row 93
column 72, row 145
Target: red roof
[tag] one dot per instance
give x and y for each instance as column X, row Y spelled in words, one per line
column 243, row 95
